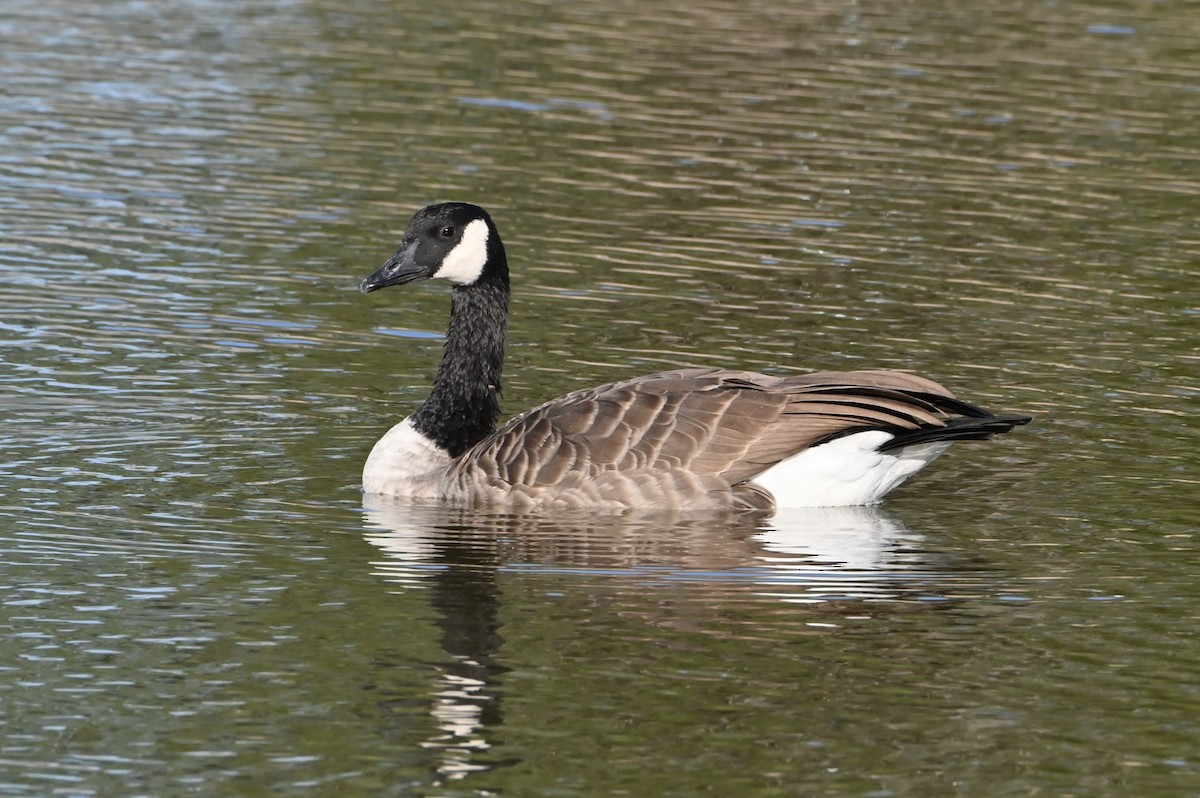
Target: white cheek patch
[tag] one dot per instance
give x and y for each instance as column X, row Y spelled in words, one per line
column 464, row 263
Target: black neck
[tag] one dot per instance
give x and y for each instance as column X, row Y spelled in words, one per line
column 464, row 405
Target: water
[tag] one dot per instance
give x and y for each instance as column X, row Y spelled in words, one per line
column 194, row 597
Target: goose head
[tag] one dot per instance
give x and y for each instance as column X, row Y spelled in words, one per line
column 453, row 241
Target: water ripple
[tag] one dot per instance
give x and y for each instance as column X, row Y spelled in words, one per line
column 999, row 196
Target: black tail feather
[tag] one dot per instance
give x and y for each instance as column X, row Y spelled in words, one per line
column 959, row 429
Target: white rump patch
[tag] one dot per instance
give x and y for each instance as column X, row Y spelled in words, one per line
column 847, row 471
column 464, row 263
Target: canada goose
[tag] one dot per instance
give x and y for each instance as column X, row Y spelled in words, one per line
column 695, row 438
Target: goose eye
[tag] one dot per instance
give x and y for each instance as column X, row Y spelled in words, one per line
column 447, row 232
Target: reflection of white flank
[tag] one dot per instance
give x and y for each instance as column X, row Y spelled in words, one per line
column 814, row 555
column 850, row 538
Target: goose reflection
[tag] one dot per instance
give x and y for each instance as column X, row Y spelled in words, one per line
column 825, row 558
column 811, row 555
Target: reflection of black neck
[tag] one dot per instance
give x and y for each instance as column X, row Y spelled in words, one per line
column 465, row 594
column 464, row 405
column 467, row 599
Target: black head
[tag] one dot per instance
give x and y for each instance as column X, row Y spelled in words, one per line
column 452, row 241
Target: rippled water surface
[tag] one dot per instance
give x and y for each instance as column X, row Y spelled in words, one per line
column 195, row 599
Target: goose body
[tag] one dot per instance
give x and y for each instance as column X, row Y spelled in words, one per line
column 684, row 439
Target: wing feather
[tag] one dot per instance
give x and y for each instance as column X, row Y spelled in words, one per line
column 704, row 423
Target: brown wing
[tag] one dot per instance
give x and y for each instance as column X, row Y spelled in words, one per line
column 710, row 422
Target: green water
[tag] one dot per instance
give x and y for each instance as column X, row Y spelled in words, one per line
column 193, row 597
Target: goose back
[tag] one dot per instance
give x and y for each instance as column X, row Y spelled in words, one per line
column 688, row 439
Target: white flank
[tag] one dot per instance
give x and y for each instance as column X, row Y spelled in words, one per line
column 846, row 471
column 405, row 463
column 464, row 263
